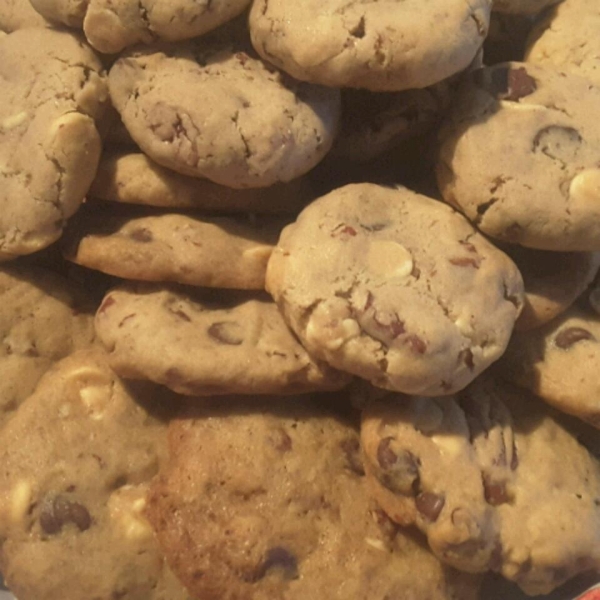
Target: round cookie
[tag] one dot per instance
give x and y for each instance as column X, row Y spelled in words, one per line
column 208, row 346
column 538, row 183
column 130, row 177
column 208, row 108
column 492, row 478
column 49, row 145
column 43, row 318
column 19, row 14
column 210, row 252
column 390, row 46
column 568, row 38
column 522, row 7
column 396, row 288
column 76, row 462
column 284, row 511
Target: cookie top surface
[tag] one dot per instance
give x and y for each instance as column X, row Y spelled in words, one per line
column 52, row 90
column 76, row 461
column 492, row 477
column 253, row 126
column 133, row 178
column 538, row 183
column 211, row 252
column 567, row 38
column 522, row 7
column 396, row 288
column 43, row 318
column 209, row 346
column 19, row 14
column 389, row 46
column 284, row 513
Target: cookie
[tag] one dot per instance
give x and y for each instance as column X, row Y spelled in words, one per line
column 208, row 346
column 49, row 145
column 210, row 109
column 566, row 38
column 522, row 7
column 284, row 511
column 558, row 362
column 539, row 181
column 19, row 14
column 553, row 281
column 396, row 288
column 76, row 463
column 43, row 318
column 492, row 478
column 210, row 252
column 133, row 178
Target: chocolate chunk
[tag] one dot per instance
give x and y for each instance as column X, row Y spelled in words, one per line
column 571, row 335
column 141, row 235
column 557, row 142
column 505, row 83
column 495, row 492
column 400, row 470
column 225, row 333
column 60, row 511
column 430, row 505
column 386, row 457
column 466, row 356
column 281, row 559
column 351, row 448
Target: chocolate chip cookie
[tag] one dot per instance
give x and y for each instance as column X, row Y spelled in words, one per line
column 208, row 346
column 76, row 461
column 492, row 478
column 389, row 46
column 283, row 511
column 53, row 89
column 19, row 14
column 211, row 109
column 538, row 183
column 396, row 288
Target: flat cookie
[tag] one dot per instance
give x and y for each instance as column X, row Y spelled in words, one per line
column 132, row 178
column 391, row 46
column 210, row 109
column 567, row 38
column 19, row 14
column 522, row 7
column 492, row 478
column 538, row 183
column 43, row 318
column 210, row 252
column 76, row 461
column 284, row 511
column 396, row 288
column 53, row 88
column 208, row 346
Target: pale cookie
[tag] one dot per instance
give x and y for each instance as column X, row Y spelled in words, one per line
column 133, row 178
column 210, row 109
column 396, row 288
column 43, row 318
column 209, row 252
column 559, row 361
column 19, row 14
column 283, row 512
column 67, row 12
column 553, row 281
column 53, row 88
column 538, row 183
column 568, row 38
column 522, row 7
column 76, row 462
column 198, row 345
column 492, row 478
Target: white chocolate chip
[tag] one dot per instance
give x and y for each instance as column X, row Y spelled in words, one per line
column 450, row 445
column 262, row 253
column 585, row 187
column 377, row 544
column 13, row 121
column 389, row 259
column 95, row 399
column 20, row 500
column 126, row 508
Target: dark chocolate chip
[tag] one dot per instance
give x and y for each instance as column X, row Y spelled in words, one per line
column 430, row 505
column 141, row 235
column 281, row 559
column 557, row 142
column 495, row 492
column 225, row 333
column 400, row 470
column 466, row 356
column 351, row 448
column 386, row 457
column 570, row 336
column 505, row 83
column 60, row 511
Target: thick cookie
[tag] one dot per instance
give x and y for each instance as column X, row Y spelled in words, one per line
column 133, row 178
column 492, row 478
column 43, row 318
column 210, row 252
column 388, row 46
column 396, row 288
column 19, row 14
column 210, row 109
column 568, row 38
column 208, row 346
column 522, row 7
column 76, row 461
column 538, row 183
column 283, row 512
column 52, row 90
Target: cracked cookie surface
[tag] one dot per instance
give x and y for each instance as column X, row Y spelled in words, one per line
column 381, row 46
column 492, row 477
column 284, row 513
column 396, row 288
column 538, row 182
column 77, row 458
column 211, row 109
column 53, row 89
column 209, row 346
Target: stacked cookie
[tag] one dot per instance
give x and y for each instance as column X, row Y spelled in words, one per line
column 338, row 323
